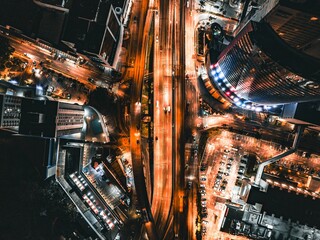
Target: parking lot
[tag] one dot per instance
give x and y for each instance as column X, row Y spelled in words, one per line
column 222, row 164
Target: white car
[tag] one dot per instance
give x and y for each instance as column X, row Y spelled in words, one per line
column 167, row 109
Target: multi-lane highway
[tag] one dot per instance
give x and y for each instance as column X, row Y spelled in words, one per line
column 179, row 115
column 140, row 41
column 162, row 191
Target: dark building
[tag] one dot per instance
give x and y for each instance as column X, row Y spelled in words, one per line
column 268, row 62
column 94, row 28
column 51, row 26
column 49, row 118
column 298, row 24
column 306, row 113
column 35, row 19
column 307, row 212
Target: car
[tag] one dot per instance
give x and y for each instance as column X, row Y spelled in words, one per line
column 219, row 176
column 115, row 74
column 91, row 80
column 202, row 186
column 101, row 68
column 135, row 19
column 204, row 210
column 226, row 174
column 50, row 89
column 167, row 109
column 189, row 185
column 145, row 215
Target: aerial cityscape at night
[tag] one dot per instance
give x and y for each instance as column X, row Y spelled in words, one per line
column 160, row 119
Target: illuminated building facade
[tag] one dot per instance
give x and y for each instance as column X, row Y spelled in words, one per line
column 269, row 62
column 10, row 109
column 259, row 67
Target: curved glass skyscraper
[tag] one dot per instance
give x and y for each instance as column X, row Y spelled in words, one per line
column 261, row 66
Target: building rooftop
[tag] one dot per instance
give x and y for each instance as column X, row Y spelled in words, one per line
column 280, row 202
column 297, row 23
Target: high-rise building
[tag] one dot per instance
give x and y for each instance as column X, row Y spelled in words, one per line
column 10, row 110
column 95, row 29
column 268, row 62
column 50, row 118
column 298, row 24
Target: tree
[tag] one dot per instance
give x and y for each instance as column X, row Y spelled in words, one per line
column 5, row 50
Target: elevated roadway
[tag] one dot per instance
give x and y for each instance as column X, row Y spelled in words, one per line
column 145, row 20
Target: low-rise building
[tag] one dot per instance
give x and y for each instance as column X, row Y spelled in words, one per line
column 50, row 119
